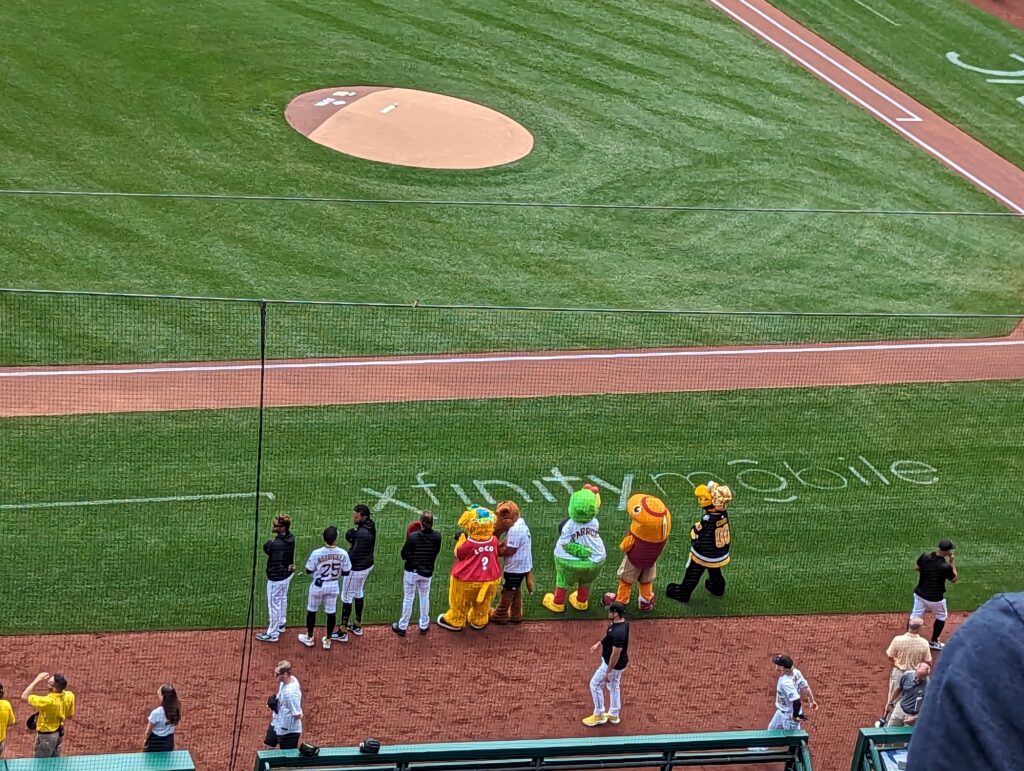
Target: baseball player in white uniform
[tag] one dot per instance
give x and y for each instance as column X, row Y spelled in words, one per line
column 327, row 565
column 788, row 705
column 804, row 687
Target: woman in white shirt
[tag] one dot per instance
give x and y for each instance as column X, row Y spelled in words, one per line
column 162, row 721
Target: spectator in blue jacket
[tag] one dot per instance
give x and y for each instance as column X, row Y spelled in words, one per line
column 972, row 718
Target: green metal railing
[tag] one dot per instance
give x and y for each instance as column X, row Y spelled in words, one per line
column 872, row 743
column 663, row 752
column 180, row 760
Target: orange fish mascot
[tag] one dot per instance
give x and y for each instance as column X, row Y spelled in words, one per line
column 649, row 528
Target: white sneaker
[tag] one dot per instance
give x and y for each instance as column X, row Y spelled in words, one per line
column 326, row 642
column 306, row 640
column 936, row 646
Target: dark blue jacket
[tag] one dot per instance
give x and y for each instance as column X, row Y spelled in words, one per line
column 972, row 718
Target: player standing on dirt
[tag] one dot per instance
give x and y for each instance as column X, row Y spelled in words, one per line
column 789, row 711
column 362, row 539
column 326, row 564
column 931, row 587
column 280, row 553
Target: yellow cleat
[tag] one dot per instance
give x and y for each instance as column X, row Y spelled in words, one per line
column 549, row 603
column 574, row 601
column 613, row 719
column 592, row 720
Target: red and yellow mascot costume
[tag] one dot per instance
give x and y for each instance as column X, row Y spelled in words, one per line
column 476, row 573
column 649, row 528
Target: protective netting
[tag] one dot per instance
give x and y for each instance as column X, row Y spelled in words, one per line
column 146, row 444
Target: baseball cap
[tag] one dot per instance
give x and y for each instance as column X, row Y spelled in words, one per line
column 783, row 661
column 617, row 607
column 60, row 682
column 946, row 545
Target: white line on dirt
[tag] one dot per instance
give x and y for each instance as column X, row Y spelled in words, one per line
column 877, row 13
column 894, row 122
column 509, row 358
column 119, row 501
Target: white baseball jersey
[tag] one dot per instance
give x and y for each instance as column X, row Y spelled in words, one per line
column 583, row 533
column 800, row 680
column 328, row 563
column 519, row 538
column 786, row 693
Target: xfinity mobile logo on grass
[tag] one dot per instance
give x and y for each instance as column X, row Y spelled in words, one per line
column 778, row 482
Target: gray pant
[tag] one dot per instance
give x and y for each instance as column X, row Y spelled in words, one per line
column 2, row 745
column 898, row 717
column 48, row 745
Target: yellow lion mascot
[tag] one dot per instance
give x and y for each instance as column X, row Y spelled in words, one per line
column 475, row 574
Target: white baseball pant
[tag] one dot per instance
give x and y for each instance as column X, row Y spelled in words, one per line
column 783, row 721
column 921, row 605
column 326, row 594
column 277, row 605
column 614, row 684
column 353, row 584
column 413, row 584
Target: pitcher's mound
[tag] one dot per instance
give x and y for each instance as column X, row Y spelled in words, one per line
column 408, row 128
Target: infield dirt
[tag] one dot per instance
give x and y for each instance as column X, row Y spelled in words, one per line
column 525, row 682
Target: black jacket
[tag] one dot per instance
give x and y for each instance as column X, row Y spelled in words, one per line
column 280, row 554
column 420, row 552
column 361, row 540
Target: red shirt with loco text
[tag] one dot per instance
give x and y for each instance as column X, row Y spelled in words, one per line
column 477, row 561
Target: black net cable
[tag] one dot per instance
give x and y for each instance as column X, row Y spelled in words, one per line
column 246, row 656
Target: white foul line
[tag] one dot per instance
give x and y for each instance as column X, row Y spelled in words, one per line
column 911, row 117
column 879, row 15
column 893, row 122
column 118, row 501
column 508, row 358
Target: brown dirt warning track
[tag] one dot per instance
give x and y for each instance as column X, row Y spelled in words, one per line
column 685, row 675
column 30, row 391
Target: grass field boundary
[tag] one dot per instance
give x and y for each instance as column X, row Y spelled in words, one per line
column 122, row 501
column 516, row 308
column 648, row 207
column 506, row 358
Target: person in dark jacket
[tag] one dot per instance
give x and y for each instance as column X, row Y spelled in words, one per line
column 280, row 552
column 422, row 545
column 971, row 718
column 362, row 538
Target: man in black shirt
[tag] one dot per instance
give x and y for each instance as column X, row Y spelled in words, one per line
column 614, row 658
column 931, row 586
column 422, row 545
column 362, row 538
column 280, row 553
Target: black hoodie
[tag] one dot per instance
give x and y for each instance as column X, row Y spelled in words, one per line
column 361, row 540
column 280, row 554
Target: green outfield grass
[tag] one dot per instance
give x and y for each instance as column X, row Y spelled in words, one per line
column 988, row 111
column 76, row 329
column 186, row 563
column 673, row 103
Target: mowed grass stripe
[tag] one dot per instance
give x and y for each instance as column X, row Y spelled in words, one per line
column 703, row 115
column 848, row 549
column 987, row 111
